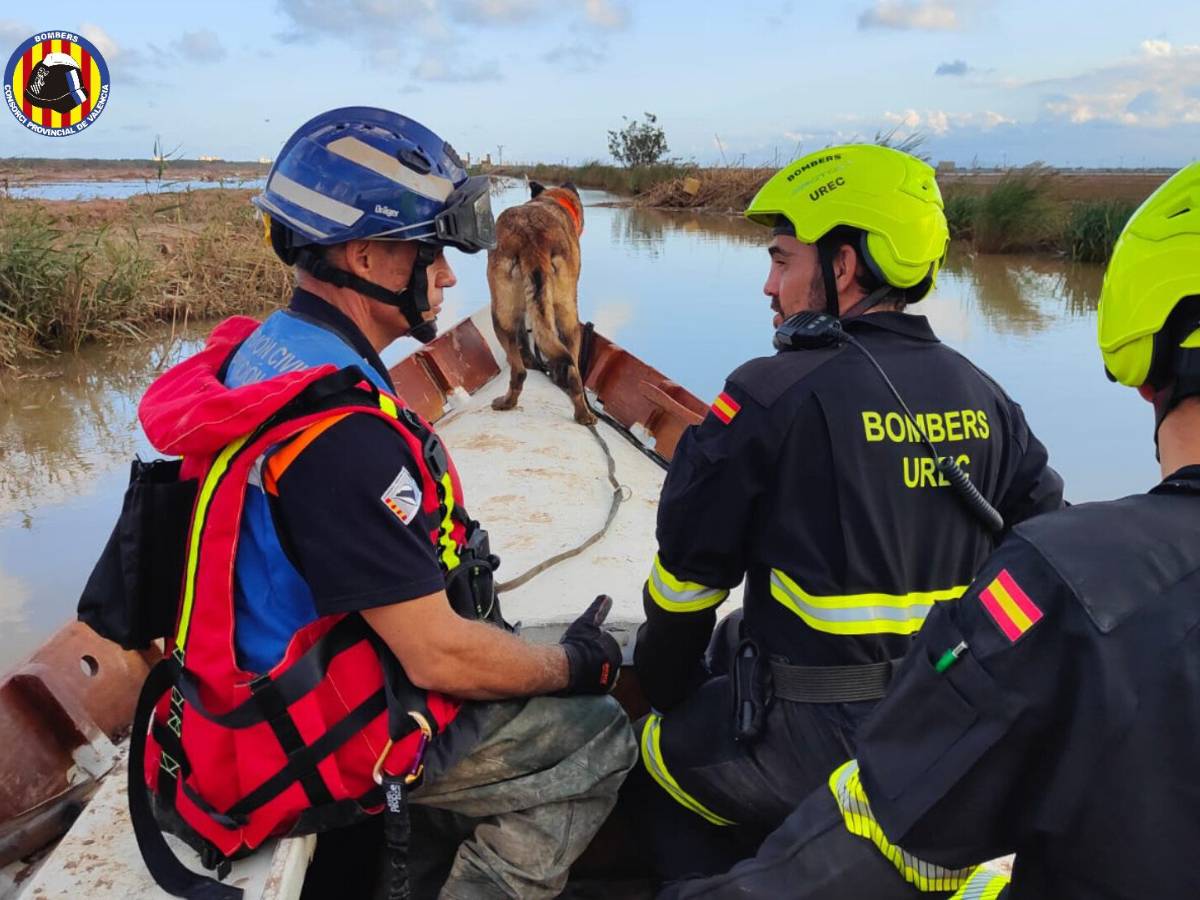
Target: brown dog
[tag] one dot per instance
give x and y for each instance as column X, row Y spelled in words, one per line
column 534, row 274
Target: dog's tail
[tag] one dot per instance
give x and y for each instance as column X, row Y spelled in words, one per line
column 539, row 305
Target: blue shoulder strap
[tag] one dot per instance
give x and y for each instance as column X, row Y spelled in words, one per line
column 289, row 342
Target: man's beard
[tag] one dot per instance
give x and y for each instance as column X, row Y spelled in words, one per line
column 816, row 300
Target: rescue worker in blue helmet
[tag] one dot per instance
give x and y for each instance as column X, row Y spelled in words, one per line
column 359, row 518
column 1053, row 711
column 850, row 484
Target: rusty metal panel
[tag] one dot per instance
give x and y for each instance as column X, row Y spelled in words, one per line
column 68, row 705
column 461, row 358
column 636, row 394
column 416, row 387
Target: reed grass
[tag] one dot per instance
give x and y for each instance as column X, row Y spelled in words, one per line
column 1026, row 211
column 1093, row 226
column 961, row 209
column 100, row 270
column 1017, row 214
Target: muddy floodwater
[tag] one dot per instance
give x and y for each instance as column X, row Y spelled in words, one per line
column 680, row 290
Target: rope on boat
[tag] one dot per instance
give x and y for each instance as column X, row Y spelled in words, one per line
column 618, row 496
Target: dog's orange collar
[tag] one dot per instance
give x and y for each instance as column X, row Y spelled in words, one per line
column 571, row 211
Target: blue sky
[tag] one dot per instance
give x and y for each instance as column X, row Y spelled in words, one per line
column 1069, row 83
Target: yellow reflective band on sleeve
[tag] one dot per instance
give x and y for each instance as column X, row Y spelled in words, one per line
column 215, row 473
column 653, row 761
column 982, row 885
column 860, row 613
column 856, row 811
column 675, row 595
column 449, row 551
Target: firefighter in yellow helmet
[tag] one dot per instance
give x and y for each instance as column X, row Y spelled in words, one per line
column 1053, row 711
column 853, row 481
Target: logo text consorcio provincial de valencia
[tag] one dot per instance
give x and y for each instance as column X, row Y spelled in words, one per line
column 56, row 83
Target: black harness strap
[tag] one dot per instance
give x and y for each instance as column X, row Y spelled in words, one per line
column 308, row 757
column 169, row 873
column 279, row 693
column 284, row 727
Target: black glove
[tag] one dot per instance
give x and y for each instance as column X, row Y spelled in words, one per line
column 593, row 655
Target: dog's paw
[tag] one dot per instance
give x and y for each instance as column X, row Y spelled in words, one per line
column 585, row 418
column 503, row 403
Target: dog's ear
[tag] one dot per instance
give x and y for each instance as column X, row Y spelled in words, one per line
column 535, row 188
column 570, row 186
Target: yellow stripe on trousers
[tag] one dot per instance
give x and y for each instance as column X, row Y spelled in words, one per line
column 652, row 759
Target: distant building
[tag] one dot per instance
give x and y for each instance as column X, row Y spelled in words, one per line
column 946, row 165
column 210, row 159
column 265, row 160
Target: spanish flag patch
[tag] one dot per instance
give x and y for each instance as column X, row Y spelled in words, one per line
column 725, row 407
column 1009, row 606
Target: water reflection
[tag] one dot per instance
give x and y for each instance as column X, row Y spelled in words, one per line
column 65, row 422
column 1021, row 294
column 13, row 609
column 646, row 230
column 119, row 190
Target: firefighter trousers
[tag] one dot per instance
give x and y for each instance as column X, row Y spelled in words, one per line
column 512, row 794
column 707, row 800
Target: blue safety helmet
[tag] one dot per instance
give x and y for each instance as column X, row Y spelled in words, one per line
column 361, row 173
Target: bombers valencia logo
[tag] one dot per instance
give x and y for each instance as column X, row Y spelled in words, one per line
column 56, row 83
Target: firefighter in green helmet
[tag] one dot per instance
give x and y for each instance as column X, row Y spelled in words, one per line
column 830, row 479
column 1052, row 712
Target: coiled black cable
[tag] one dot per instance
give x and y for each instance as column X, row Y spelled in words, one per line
column 949, row 469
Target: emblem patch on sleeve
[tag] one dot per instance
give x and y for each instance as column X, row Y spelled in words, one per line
column 403, row 496
column 725, row 407
column 1009, row 606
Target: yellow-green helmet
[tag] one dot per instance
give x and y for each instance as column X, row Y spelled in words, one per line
column 890, row 195
column 1155, row 264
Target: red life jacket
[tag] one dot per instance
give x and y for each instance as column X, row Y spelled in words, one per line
column 234, row 757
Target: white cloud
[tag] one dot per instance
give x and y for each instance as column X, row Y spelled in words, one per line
column 1155, row 87
column 992, row 119
column 939, row 122
column 202, row 46
column 1156, row 48
column 606, row 13
column 434, row 68
column 13, row 33
column 910, row 119
column 496, row 12
column 106, row 45
column 578, row 55
column 921, row 15
column 382, row 23
column 128, row 58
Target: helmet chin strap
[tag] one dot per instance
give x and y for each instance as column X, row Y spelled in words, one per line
column 413, row 301
column 832, row 303
column 1184, row 384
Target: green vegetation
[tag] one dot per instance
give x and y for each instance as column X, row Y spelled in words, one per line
column 1092, row 228
column 1016, row 214
column 1024, row 210
column 75, row 272
column 960, row 215
column 57, row 289
column 638, row 143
